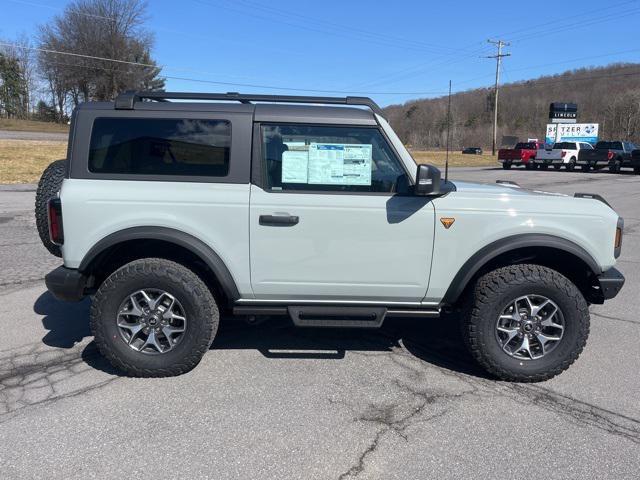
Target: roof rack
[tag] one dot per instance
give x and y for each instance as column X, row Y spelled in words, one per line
column 127, row 100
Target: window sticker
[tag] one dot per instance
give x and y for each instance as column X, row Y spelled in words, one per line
column 295, row 164
column 340, row 164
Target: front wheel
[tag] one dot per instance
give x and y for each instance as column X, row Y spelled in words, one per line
column 544, row 166
column 528, row 323
column 153, row 318
column 636, row 170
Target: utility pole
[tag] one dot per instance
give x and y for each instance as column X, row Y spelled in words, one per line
column 498, row 57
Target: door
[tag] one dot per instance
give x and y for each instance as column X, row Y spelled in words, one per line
column 333, row 218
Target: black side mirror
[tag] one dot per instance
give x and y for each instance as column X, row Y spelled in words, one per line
column 427, row 180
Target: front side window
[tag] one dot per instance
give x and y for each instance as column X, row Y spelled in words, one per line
column 329, row 158
column 144, row 146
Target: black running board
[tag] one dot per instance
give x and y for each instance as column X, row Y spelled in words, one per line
column 335, row 317
column 332, row 316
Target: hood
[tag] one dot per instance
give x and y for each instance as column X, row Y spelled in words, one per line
column 499, row 189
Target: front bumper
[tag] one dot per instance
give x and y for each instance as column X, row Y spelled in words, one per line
column 610, row 283
column 66, row 283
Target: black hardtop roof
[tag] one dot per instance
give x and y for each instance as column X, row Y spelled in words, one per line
column 270, row 107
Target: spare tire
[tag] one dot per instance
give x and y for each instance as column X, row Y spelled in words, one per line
column 48, row 187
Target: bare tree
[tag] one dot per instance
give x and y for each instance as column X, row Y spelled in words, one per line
column 95, row 30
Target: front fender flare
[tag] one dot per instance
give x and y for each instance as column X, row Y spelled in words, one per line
column 473, row 265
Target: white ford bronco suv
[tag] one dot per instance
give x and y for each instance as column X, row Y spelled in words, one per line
column 167, row 212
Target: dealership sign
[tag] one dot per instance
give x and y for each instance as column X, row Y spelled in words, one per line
column 563, row 112
column 572, row 132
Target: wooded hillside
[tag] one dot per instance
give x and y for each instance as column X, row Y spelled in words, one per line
column 609, row 96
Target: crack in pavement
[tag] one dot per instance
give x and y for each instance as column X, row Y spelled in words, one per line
column 390, row 419
column 398, row 417
column 607, row 317
column 36, row 375
column 581, row 413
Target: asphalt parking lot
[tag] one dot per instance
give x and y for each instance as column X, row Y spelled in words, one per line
column 270, row 401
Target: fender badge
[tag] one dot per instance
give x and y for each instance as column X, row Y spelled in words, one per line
column 447, row 222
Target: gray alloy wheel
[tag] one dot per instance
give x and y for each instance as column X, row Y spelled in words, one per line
column 530, row 327
column 151, row 321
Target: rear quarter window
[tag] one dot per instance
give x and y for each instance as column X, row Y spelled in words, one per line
column 143, row 146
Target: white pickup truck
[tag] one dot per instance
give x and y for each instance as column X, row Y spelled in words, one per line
column 561, row 153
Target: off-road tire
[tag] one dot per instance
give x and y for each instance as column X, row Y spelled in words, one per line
column 199, row 305
column 615, row 166
column 48, row 187
column 496, row 289
column 571, row 166
column 506, row 166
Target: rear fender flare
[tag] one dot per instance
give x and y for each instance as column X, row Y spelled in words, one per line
column 170, row 235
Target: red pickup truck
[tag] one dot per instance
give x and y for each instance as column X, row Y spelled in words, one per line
column 521, row 154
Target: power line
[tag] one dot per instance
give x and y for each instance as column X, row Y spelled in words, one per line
column 499, row 44
column 562, row 21
column 287, row 88
column 90, row 57
column 71, row 10
column 333, row 25
column 248, row 85
column 317, row 26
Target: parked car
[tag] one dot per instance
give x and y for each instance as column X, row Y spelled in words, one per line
column 614, row 154
column 169, row 212
column 561, row 153
column 472, row 151
column 635, row 161
column 521, row 154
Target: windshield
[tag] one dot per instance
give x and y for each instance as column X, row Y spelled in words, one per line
column 609, row 146
column 565, row 146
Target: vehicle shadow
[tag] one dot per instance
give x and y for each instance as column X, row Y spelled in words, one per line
column 435, row 341
column 67, row 323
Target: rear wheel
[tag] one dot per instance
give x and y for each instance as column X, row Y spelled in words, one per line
column 506, row 166
column 615, row 166
column 586, row 167
column 544, row 166
column 571, row 166
column 636, row 170
column 557, row 167
column 153, row 318
column 529, row 166
column 48, row 187
column 528, row 323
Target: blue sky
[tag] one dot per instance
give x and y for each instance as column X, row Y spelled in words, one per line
column 391, row 51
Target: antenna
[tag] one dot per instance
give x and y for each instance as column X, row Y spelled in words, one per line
column 446, row 162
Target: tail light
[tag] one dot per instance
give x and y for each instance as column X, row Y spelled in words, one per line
column 609, row 155
column 54, row 210
column 563, row 154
